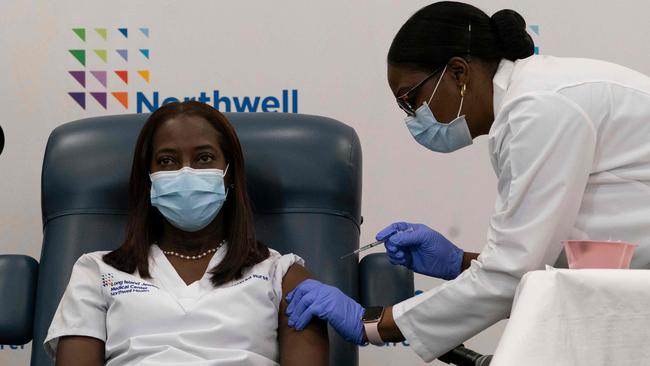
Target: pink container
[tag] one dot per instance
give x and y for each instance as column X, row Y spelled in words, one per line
column 598, row 254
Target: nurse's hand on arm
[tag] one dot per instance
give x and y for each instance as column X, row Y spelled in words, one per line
column 80, row 351
column 312, row 300
column 299, row 348
column 424, row 250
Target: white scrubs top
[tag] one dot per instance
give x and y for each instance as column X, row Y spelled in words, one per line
column 570, row 145
column 163, row 321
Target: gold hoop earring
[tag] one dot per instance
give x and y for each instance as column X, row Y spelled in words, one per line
column 463, row 90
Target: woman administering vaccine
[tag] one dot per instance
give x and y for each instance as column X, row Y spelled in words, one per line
column 569, row 140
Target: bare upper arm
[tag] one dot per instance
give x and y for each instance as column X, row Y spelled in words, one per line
column 309, row 346
column 80, row 351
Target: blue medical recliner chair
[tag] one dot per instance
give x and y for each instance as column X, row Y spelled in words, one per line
column 304, row 179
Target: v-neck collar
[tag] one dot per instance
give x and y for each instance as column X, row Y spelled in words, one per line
column 165, row 274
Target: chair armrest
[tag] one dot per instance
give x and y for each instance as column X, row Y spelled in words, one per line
column 18, row 279
column 383, row 284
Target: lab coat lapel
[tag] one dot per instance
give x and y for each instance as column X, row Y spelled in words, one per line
column 500, row 84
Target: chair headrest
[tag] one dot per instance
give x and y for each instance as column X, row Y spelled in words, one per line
column 294, row 163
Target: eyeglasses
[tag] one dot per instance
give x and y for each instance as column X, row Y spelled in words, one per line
column 403, row 101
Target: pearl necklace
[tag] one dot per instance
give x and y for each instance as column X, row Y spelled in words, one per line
column 198, row 256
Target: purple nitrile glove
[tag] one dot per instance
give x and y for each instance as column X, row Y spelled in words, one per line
column 421, row 249
column 312, row 298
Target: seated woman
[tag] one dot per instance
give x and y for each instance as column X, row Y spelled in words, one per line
column 190, row 285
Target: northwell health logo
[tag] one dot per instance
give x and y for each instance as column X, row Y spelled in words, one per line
column 112, row 71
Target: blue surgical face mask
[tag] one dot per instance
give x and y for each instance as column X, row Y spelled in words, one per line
column 189, row 198
column 437, row 136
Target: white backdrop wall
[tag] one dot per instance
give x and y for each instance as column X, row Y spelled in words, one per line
column 316, row 57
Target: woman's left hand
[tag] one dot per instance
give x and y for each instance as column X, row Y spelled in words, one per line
column 312, row 298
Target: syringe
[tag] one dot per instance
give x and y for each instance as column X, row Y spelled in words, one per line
column 368, row 246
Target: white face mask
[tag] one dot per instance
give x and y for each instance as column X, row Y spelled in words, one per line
column 437, row 136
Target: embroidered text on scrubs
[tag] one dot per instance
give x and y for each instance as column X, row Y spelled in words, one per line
column 125, row 287
column 265, row 278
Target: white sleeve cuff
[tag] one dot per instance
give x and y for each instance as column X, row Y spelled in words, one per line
column 406, row 327
column 281, row 266
column 51, row 342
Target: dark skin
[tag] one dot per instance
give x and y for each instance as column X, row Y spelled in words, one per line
column 190, row 141
column 475, row 74
column 478, row 109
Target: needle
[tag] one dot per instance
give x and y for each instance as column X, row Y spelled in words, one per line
column 365, row 247
column 368, row 246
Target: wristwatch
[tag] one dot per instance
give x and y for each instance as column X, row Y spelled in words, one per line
column 371, row 318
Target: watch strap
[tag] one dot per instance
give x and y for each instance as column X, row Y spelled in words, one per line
column 372, row 330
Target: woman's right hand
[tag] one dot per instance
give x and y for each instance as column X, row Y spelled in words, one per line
column 422, row 249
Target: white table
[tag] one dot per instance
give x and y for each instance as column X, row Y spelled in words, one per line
column 578, row 317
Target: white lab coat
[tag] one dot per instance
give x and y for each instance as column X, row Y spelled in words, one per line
column 163, row 321
column 570, row 145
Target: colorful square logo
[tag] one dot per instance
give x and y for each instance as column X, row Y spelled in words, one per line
column 107, row 280
column 107, row 67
